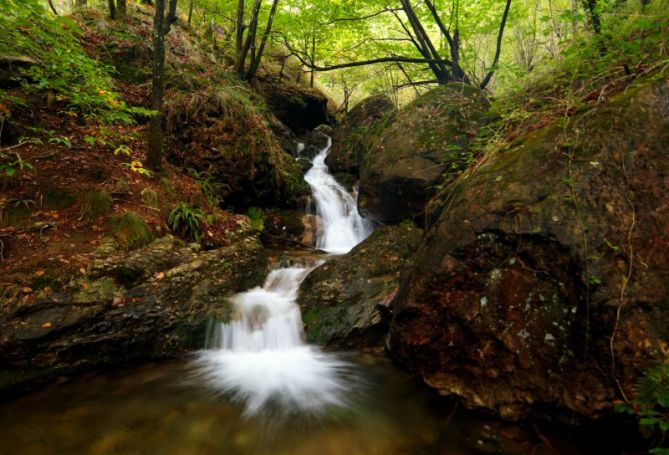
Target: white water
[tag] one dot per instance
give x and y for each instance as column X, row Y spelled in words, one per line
column 342, row 227
column 260, row 359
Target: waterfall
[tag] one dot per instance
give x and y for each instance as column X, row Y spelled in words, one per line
column 259, row 358
column 342, row 227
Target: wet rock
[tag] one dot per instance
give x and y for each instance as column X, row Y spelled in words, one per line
column 313, row 144
column 345, row 302
column 411, row 153
column 515, row 297
column 150, row 304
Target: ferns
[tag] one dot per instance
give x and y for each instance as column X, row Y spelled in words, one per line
column 651, row 403
column 187, row 221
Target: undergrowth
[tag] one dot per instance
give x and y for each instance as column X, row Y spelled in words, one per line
column 633, row 43
column 57, row 66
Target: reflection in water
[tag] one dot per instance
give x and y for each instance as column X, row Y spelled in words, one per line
column 151, row 411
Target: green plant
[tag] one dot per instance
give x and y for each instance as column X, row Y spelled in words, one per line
column 150, row 197
column 59, row 65
column 187, row 221
column 64, row 141
column 651, row 404
column 18, row 202
column 208, row 186
column 9, row 164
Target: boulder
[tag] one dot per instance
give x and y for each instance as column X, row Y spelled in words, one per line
column 409, row 155
column 348, row 138
column 242, row 149
column 345, row 302
column 544, row 281
column 11, row 67
column 301, row 109
column 153, row 303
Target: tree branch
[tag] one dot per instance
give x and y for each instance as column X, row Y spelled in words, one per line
column 361, row 18
column 498, row 51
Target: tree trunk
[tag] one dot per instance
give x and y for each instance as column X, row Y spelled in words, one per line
column 239, row 41
column 313, row 59
column 500, row 35
column 595, row 20
column 161, row 27
column 190, row 13
column 53, row 8
column 122, row 8
column 255, row 61
column 250, row 40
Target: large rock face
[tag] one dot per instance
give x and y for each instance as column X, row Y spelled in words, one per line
column 240, row 147
column 545, row 261
column 409, row 154
column 153, row 303
column 345, row 302
column 349, row 138
column 300, row 108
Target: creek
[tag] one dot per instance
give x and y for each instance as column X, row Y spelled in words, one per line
column 258, row 388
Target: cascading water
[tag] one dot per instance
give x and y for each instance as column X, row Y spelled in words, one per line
column 342, row 227
column 260, row 358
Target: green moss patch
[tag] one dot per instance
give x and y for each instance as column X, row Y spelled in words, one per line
column 130, row 230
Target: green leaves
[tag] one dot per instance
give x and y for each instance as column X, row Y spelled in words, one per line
column 61, row 66
column 187, row 221
column 651, row 403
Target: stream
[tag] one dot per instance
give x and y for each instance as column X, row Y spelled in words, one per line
column 257, row 388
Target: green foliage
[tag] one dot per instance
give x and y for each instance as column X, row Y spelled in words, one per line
column 257, row 217
column 651, row 403
column 187, row 221
column 209, row 187
column 130, row 230
column 61, row 66
column 10, row 163
column 589, row 69
column 150, row 197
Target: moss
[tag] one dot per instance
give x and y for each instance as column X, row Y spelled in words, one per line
column 130, row 230
column 16, row 216
column 95, row 203
column 58, row 199
column 98, row 291
column 257, row 217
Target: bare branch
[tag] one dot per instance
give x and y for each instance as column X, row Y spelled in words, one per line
column 500, row 35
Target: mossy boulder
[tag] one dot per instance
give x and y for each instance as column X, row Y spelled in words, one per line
column 346, row 301
column 406, row 156
column 130, row 230
column 544, row 280
column 351, row 136
column 299, row 108
column 231, row 137
column 153, row 303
